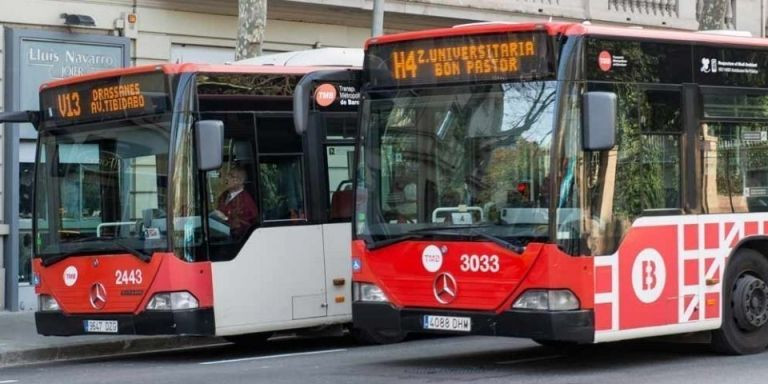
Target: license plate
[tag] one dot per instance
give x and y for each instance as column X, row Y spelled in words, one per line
column 448, row 323
column 101, row 326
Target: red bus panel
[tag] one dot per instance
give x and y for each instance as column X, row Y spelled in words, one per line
column 121, row 283
column 408, row 274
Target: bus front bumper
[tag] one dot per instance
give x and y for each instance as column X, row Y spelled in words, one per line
column 199, row 322
column 573, row 326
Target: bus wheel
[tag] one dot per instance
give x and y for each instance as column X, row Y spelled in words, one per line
column 367, row 336
column 566, row 347
column 555, row 344
column 249, row 340
column 745, row 305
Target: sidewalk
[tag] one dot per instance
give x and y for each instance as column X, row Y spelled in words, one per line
column 20, row 344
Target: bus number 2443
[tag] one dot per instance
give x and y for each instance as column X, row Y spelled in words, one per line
column 125, row 277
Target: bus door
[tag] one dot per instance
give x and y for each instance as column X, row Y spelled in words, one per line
column 329, row 123
column 338, row 149
column 295, row 242
column 638, row 285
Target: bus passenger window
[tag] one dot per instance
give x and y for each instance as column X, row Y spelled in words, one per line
column 281, row 174
column 735, row 169
column 282, row 188
column 339, row 160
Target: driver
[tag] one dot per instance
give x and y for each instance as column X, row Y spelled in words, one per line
column 236, row 206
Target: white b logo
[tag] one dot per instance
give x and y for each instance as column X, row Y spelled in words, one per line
column 648, row 275
column 432, row 258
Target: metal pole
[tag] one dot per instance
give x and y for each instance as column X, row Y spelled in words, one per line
column 762, row 18
column 377, row 28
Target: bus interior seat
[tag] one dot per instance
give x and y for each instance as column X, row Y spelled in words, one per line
column 342, row 202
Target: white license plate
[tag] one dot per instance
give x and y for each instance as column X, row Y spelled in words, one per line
column 448, row 323
column 101, row 326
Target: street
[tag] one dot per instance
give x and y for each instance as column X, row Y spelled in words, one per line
column 422, row 360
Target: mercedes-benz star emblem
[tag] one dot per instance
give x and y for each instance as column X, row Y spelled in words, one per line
column 98, row 296
column 445, row 288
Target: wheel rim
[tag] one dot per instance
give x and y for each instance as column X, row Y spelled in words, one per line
column 750, row 302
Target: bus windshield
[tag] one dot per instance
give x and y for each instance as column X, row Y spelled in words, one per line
column 102, row 188
column 457, row 161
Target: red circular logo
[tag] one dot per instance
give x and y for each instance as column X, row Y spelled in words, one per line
column 605, row 61
column 325, row 95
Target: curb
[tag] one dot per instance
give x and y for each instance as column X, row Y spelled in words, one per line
column 103, row 349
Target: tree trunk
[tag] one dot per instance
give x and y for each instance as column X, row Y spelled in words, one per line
column 712, row 14
column 252, row 21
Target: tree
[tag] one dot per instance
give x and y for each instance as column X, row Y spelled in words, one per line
column 712, row 14
column 252, row 21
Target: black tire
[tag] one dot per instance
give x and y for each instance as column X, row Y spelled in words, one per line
column 377, row 337
column 567, row 347
column 249, row 340
column 745, row 305
column 555, row 344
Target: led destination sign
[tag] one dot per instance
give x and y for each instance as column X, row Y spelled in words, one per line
column 468, row 58
column 106, row 99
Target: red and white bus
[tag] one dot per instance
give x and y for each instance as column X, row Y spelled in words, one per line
column 564, row 182
column 194, row 199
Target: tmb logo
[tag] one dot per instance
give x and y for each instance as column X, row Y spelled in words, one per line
column 605, row 61
column 70, row 276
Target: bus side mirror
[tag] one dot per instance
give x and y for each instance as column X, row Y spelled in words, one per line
column 210, row 139
column 599, row 121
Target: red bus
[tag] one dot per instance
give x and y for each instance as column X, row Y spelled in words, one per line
column 567, row 183
column 195, row 199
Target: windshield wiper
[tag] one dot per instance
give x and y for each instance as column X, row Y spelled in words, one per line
column 450, row 231
column 421, row 233
column 55, row 258
column 141, row 254
column 472, row 232
column 394, row 240
column 498, row 240
column 440, row 228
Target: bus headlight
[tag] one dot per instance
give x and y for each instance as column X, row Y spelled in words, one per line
column 368, row 292
column 547, row 300
column 171, row 301
column 47, row 303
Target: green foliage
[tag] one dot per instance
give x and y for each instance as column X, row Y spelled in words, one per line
column 270, row 193
column 249, row 85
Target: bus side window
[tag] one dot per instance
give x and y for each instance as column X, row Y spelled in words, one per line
column 735, row 168
column 339, row 160
column 641, row 175
column 281, row 171
column 232, row 216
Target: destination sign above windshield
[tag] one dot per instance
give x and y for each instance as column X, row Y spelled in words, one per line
column 457, row 59
column 102, row 99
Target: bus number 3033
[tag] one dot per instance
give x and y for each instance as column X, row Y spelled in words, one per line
column 125, row 277
column 483, row 263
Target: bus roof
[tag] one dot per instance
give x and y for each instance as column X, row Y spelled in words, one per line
column 189, row 68
column 332, row 57
column 574, row 29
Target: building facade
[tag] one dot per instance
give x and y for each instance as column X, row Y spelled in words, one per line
column 49, row 39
